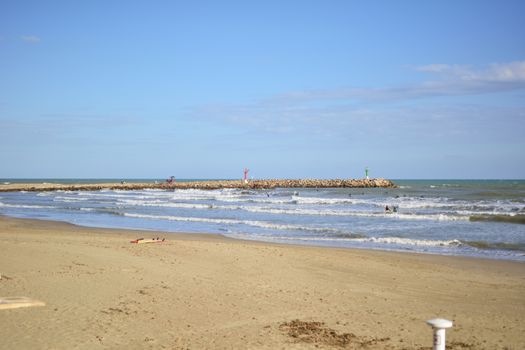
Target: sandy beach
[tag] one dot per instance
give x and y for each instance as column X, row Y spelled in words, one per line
column 203, row 291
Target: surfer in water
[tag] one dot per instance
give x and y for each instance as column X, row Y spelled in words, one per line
column 391, row 210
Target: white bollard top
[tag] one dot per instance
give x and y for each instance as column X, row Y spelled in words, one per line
column 439, row 323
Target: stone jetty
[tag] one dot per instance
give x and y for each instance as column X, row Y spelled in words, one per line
column 204, row 185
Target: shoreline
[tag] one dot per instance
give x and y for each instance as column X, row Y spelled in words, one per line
column 205, row 185
column 152, row 233
column 210, row 291
column 256, row 241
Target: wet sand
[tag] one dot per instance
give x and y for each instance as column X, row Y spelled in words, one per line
column 201, row 291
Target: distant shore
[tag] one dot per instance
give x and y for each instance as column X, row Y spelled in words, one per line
column 206, row 185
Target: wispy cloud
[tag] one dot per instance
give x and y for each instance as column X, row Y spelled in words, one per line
column 54, row 126
column 355, row 123
column 498, row 72
column 32, row 39
column 452, row 80
column 354, row 113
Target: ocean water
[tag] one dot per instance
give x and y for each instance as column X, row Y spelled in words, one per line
column 484, row 218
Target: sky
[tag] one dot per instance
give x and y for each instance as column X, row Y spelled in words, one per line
column 288, row 89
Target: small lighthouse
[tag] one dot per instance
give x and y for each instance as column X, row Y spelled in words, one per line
column 246, row 170
column 366, row 173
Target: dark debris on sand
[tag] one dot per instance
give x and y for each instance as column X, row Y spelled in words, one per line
column 317, row 333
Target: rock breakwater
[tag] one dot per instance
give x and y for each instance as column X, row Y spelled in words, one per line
column 206, row 185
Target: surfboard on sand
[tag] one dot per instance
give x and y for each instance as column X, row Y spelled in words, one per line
column 147, row 240
column 16, row 302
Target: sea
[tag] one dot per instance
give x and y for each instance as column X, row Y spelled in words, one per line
column 479, row 218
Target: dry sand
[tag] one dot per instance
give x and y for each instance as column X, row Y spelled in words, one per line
column 209, row 292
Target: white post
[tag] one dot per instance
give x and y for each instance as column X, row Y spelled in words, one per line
column 438, row 326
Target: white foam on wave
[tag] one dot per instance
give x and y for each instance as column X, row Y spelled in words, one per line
column 255, row 223
column 436, row 217
column 70, row 199
column 160, row 203
column 267, row 200
column 276, row 238
column 296, row 211
column 378, row 240
column 27, row 206
column 410, row 241
column 320, row 200
column 44, row 194
column 293, row 211
column 402, row 202
column 488, row 213
column 116, row 195
column 423, row 203
column 402, row 216
column 163, row 203
column 225, row 195
column 195, row 194
column 325, row 212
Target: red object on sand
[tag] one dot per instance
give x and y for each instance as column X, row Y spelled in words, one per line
column 147, row 240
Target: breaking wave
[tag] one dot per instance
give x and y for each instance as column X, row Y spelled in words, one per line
column 27, row 206
column 262, row 224
column 411, row 241
column 159, row 203
column 296, row 211
column 70, row 199
column 360, row 238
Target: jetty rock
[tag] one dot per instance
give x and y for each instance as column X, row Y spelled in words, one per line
column 205, row 185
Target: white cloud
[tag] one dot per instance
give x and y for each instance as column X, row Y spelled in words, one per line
column 353, row 112
column 376, row 125
column 496, row 72
column 434, row 68
column 33, row 39
column 513, row 71
column 452, row 80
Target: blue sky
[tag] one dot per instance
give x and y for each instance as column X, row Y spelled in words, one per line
column 289, row 89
